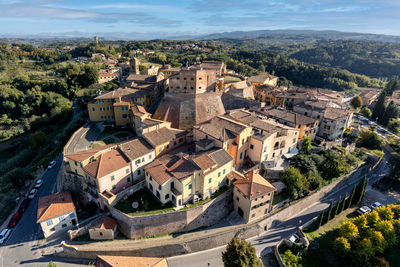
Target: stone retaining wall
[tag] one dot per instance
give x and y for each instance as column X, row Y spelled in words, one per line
column 173, row 222
column 205, row 239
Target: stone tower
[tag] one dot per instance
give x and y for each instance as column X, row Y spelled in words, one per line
column 134, row 65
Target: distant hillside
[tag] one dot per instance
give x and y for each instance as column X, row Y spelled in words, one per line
column 300, row 36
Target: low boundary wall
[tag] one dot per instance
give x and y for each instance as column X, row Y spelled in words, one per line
column 174, row 222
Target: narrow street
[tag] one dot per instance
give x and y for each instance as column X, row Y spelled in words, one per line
column 25, row 245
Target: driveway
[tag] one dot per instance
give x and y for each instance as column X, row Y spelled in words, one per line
column 84, row 137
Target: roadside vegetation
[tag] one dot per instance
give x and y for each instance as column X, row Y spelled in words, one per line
column 312, row 171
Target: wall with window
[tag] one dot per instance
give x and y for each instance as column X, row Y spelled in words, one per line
column 101, row 110
column 215, row 179
column 121, row 115
column 116, row 181
column 59, row 223
column 138, row 165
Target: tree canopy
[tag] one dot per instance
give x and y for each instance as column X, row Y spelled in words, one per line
column 240, row 253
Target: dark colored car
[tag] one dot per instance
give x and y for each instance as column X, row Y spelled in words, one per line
column 15, row 219
column 24, row 205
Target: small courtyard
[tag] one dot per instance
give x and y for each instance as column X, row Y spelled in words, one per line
column 146, row 204
column 111, row 135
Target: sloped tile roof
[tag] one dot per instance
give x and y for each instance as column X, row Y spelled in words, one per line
column 163, row 135
column 158, row 172
column 136, row 148
column 105, row 222
column 107, row 163
column 54, row 205
column 261, row 78
column 86, row 154
column 253, row 185
column 130, row 261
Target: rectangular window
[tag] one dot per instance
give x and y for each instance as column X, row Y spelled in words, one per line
column 138, row 172
column 241, row 155
column 209, row 180
column 150, row 156
column 159, row 150
column 128, row 180
column 294, row 140
column 251, row 147
column 159, row 187
column 190, row 186
column 180, row 140
column 219, row 174
column 167, row 196
column 127, row 171
column 64, row 225
column 72, row 215
column 112, row 178
column 223, row 172
column 61, row 218
column 253, row 215
column 93, row 109
column 151, row 179
column 49, row 222
column 124, row 116
column 114, row 186
column 143, row 159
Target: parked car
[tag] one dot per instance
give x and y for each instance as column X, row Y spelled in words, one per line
column 294, row 238
column 375, row 205
column 14, row 219
column 24, row 205
column 39, row 183
column 32, row 194
column 4, row 234
column 52, row 164
column 363, row 210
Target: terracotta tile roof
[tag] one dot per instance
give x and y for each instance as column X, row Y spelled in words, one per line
column 54, row 205
column 204, row 161
column 254, row 185
column 158, row 172
column 288, row 116
column 105, row 222
column 219, row 127
column 234, row 176
column 136, row 148
column 120, row 92
column 336, row 113
column 261, row 78
column 86, row 154
column 163, row 135
column 107, row 163
column 221, row 157
column 129, row 261
column 138, row 110
column 121, row 103
column 183, row 168
column 242, row 116
column 141, row 78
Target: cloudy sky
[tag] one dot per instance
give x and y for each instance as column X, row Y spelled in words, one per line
column 162, row 18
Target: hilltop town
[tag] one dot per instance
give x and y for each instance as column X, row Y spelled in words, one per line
column 163, row 159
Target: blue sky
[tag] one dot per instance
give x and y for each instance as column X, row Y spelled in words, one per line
column 161, row 18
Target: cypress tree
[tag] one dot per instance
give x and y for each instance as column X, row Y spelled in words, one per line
column 362, row 185
column 336, row 209
column 343, row 204
column 329, row 214
column 353, row 192
column 391, row 112
column 379, row 109
column 320, row 220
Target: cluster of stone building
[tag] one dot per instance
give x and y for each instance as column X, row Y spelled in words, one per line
column 194, row 143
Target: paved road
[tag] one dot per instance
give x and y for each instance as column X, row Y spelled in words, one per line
column 265, row 243
column 84, row 138
column 25, row 245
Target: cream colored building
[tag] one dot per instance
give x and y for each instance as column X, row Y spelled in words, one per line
column 263, row 79
column 181, row 178
column 268, row 140
column 252, row 195
column 228, row 134
column 104, row 228
column 56, row 213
